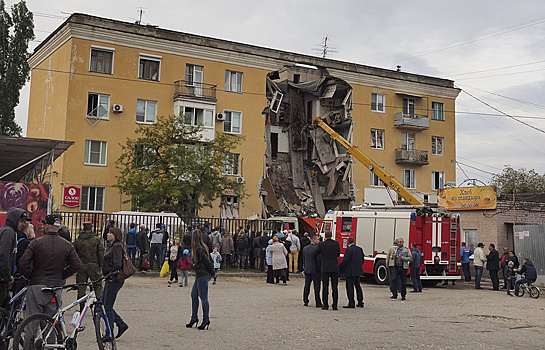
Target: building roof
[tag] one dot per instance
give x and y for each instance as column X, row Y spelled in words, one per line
column 22, row 156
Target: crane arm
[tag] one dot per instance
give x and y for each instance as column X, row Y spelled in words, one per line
column 356, row 153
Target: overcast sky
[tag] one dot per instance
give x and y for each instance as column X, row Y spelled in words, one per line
column 492, row 49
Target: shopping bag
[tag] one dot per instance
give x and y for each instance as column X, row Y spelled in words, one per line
column 165, row 269
column 127, row 269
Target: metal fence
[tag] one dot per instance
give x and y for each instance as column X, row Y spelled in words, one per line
column 530, row 243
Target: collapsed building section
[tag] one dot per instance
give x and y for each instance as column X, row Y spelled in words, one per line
column 306, row 172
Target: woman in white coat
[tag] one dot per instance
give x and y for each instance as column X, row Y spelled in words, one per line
column 279, row 262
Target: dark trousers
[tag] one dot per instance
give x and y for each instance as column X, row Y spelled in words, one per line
column 280, row 273
column 495, row 280
column 155, row 255
column 263, row 262
column 109, row 294
column 142, row 257
column 400, row 280
column 131, row 252
column 270, row 276
column 326, row 276
column 300, row 266
column 173, row 264
column 467, row 272
column 315, row 279
column 353, row 282
column 4, row 295
column 391, row 278
column 415, row 277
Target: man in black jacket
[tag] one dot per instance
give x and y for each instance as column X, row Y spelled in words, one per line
column 263, row 243
column 352, row 268
column 530, row 274
column 329, row 251
column 312, row 271
column 493, row 266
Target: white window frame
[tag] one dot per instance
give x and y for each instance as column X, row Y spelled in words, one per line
column 85, row 192
column 238, row 78
column 149, row 57
column 434, row 142
column 194, row 70
column 375, row 181
column 409, row 182
column 409, row 107
column 102, row 154
column 193, row 120
column 103, row 49
column 231, row 164
column 438, row 113
column 146, row 102
column 375, row 106
column 229, row 115
column 378, row 134
column 99, row 103
column 408, row 141
column 437, row 180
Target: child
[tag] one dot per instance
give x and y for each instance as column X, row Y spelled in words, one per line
column 216, row 259
column 183, row 265
column 173, row 262
column 509, row 276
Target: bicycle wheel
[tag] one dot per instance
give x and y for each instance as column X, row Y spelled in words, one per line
column 105, row 338
column 37, row 332
column 522, row 290
column 534, row 292
column 3, row 324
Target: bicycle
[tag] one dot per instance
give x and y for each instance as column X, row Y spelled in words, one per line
column 11, row 317
column 532, row 290
column 41, row 331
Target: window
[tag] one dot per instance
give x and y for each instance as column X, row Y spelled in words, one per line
column 95, row 152
column 377, row 139
column 146, row 111
column 233, row 81
column 92, row 198
column 408, row 107
column 437, row 145
column 407, row 141
column 471, row 238
column 197, row 116
column 101, row 61
column 274, row 145
column 437, row 180
column 408, row 178
column 375, row 180
column 233, row 122
column 144, row 157
column 231, row 164
column 149, row 67
column 193, row 74
column 438, row 111
column 229, row 207
column 377, row 102
column 346, row 225
column 98, row 105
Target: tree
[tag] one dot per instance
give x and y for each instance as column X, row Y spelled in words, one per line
column 168, row 167
column 16, row 31
column 519, row 181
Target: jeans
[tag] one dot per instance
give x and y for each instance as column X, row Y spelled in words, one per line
column 334, row 288
column 478, row 276
column 400, row 279
column 200, row 290
column 163, row 252
column 131, row 252
column 467, row 272
column 508, row 284
column 109, row 294
column 313, row 278
column 518, row 283
column 415, row 277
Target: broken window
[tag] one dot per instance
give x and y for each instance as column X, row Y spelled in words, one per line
column 377, row 139
column 274, row 145
column 408, row 107
column 233, row 81
column 149, row 68
column 276, row 101
column 101, row 61
column 296, row 78
column 375, row 180
column 437, row 180
column 231, row 164
column 233, row 122
column 437, row 145
column 408, row 178
column 98, row 105
column 377, row 102
column 229, row 207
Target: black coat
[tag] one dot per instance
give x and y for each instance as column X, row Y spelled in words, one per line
column 352, row 264
column 311, row 261
column 330, row 251
column 493, row 260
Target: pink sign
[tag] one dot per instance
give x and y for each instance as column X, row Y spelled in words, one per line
column 71, row 196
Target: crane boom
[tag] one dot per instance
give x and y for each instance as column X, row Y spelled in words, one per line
column 383, row 175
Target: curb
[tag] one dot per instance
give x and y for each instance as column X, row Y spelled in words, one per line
column 220, row 274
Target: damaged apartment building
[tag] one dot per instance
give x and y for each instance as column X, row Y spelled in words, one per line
column 306, row 172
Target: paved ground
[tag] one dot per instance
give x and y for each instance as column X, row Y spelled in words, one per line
column 248, row 313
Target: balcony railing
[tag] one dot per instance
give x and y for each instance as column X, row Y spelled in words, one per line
column 411, row 156
column 414, row 121
column 195, row 90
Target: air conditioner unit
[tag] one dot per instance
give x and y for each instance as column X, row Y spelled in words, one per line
column 117, row 108
column 220, row 116
column 240, row 180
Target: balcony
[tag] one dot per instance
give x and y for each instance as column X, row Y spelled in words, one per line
column 413, row 122
column 200, row 91
column 411, row 156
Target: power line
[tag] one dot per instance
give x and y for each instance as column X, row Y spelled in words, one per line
column 502, row 75
column 500, row 68
column 511, row 98
column 484, row 171
column 486, row 165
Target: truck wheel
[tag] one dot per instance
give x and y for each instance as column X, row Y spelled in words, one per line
column 381, row 272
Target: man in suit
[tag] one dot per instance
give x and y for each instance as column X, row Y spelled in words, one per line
column 329, row 251
column 351, row 268
column 312, row 271
column 493, row 266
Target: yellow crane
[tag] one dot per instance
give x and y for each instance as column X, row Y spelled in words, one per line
column 383, row 175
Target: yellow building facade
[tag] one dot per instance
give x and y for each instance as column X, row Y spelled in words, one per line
column 94, row 80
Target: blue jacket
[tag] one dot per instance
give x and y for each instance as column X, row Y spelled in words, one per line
column 465, row 253
column 131, row 238
column 416, row 257
column 529, row 271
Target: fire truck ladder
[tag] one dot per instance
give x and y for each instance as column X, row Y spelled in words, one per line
column 453, row 243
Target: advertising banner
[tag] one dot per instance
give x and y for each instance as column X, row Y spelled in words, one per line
column 30, row 197
column 467, row 198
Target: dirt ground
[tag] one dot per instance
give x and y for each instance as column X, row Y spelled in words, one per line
column 248, row 313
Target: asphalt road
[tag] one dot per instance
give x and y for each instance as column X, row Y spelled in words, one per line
column 247, row 313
